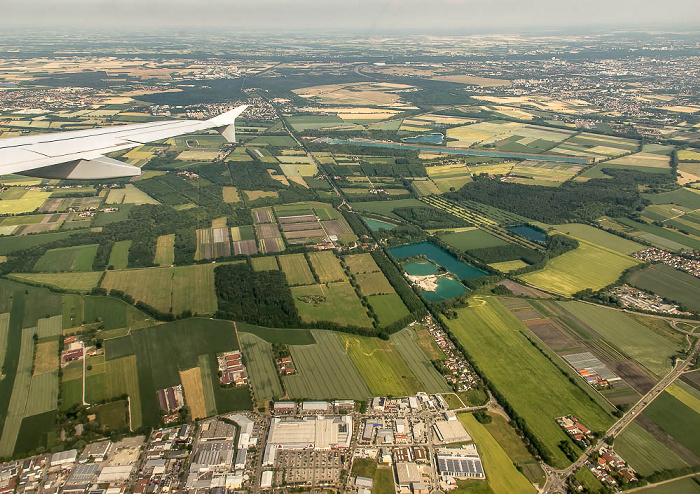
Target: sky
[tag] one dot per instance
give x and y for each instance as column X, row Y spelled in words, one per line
column 369, row 16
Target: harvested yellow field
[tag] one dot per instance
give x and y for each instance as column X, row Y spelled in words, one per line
column 514, row 112
column 497, row 169
column 165, row 250
column 473, row 80
column 230, row 194
column 444, row 119
column 219, row 222
column 508, row 266
column 688, row 155
column 198, row 155
column 642, row 159
column 252, row 195
column 682, row 109
column 129, row 195
column 46, row 357
column 30, row 201
column 355, row 93
column 446, row 171
column 194, row 392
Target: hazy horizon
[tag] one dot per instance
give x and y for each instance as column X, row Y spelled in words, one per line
column 367, row 16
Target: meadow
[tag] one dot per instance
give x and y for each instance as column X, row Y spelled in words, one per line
column 515, row 448
column 381, row 366
column 267, row 263
column 296, row 269
column 119, row 257
column 508, row 266
column 647, row 347
column 472, row 239
column 501, row 474
column 335, row 302
column 325, row 371
column 599, row 237
column 327, row 267
column 82, row 281
column 389, row 308
column 12, row 244
column 361, row 263
column 129, row 195
column 669, row 283
column 67, row 259
column 373, row 283
column 406, row 342
column 261, row 367
column 588, row 266
column 517, row 370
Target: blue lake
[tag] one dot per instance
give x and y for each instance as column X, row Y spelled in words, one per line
column 376, row 225
column 528, row 232
column 468, row 152
column 435, row 138
column 439, row 256
column 447, row 288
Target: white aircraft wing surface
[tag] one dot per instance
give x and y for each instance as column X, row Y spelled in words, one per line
column 80, row 154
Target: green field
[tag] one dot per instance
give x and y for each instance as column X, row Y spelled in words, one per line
column 644, row 453
column 261, row 367
column 669, row 283
column 381, row 366
column 112, row 312
column 325, row 371
column 389, row 308
column 361, row 263
column 67, row 259
column 515, row 448
column 296, row 269
column 18, row 399
column 275, row 335
column 83, row 281
column 508, row 266
column 681, row 486
column 662, row 237
column 599, row 237
column 386, row 207
column 472, row 239
column 683, row 197
column 406, row 342
column 336, row 302
column 588, row 266
column 647, row 347
column 49, row 327
column 11, row 244
column 677, row 419
column 119, row 257
column 279, row 141
column 501, row 474
column 327, row 267
column 517, row 369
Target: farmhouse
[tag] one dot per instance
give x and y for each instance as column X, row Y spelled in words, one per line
column 170, row 399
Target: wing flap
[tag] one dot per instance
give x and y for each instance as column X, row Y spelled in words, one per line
column 98, row 168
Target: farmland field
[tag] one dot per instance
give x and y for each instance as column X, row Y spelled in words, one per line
column 46, row 359
column 644, row 453
column 11, row 244
column 515, row 448
column 381, row 366
column 67, row 259
column 336, row 302
column 119, row 257
column 121, row 377
column 517, row 369
column 113, row 313
column 261, row 366
column 230, row 195
column 508, row 266
column 406, row 342
column 164, row 288
column 600, row 237
column 327, row 267
column 472, row 239
column 588, row 266
column 677, row 419
column 28, row 202
column 647, row 347
column 325, row 371
column 501, row 474
column 165, row 250
column 361, row 263
column 129, row 195
column 296, row 269
column 82, row 281
column 669, row 283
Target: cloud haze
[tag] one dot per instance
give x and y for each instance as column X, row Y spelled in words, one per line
column 365, row 15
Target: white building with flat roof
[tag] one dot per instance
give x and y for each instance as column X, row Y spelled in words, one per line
column 319, row 432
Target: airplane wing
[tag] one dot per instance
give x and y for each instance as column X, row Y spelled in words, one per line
column 80, row 154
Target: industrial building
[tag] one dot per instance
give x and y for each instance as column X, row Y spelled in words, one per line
column 319, row 433
column 463, row 463
column 450, row 430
